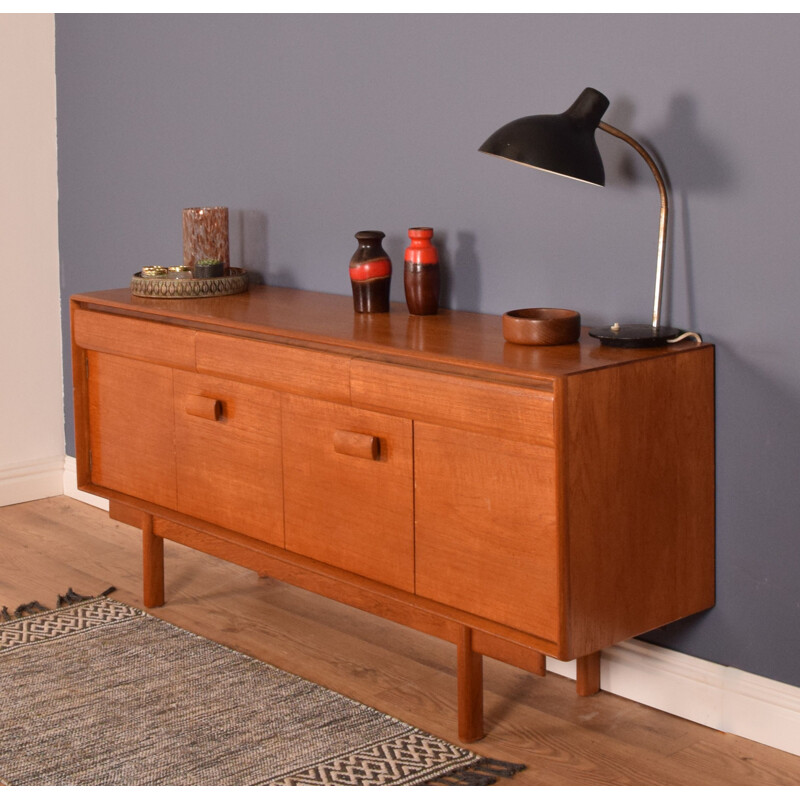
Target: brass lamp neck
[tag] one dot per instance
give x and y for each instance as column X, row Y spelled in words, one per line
column 662, row 223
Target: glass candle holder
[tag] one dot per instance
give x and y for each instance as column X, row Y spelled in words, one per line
column 205, row 235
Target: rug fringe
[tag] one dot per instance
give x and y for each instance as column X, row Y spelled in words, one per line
column 484, row 772
column 73, row 597
column 36, row 607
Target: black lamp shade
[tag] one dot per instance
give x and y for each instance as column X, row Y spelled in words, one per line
column 560, row 143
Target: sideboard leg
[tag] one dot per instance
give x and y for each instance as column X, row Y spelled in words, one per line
column 588, row 674
column 152, row 565
column 470, row 689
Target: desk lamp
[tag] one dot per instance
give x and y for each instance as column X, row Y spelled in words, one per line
column 564, row 144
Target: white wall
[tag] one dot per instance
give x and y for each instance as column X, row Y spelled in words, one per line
column 31, row 393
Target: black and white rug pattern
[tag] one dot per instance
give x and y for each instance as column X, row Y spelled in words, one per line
column 101, row 693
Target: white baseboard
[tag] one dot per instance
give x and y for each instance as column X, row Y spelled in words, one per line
column 31, row 480
column 719, row 697
column 70, row 486
column 723, row 698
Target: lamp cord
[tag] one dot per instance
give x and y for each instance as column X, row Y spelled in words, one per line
column 686, row 335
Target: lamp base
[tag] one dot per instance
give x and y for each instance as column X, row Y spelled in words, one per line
column 635, row 335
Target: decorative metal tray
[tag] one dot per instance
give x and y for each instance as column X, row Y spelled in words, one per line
column 234, row 282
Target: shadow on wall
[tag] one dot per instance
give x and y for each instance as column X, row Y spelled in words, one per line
column 690, row 159
column 253, row 255
column 394, row 245
column 252, row 228
column 697, row 165
column 758, row 560
column 460, row 259
column 694, row 164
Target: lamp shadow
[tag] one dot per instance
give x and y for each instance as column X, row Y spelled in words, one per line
column 697, row 164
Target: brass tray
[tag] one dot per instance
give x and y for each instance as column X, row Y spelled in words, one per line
column 233, row 282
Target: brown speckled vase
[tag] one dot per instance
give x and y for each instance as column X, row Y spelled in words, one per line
column 370, row 274
column 421, row 272
column 205, row 235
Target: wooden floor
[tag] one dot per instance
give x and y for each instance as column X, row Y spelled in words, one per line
column 50, row 545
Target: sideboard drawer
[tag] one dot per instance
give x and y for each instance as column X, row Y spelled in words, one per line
column 137, row 338
column 278, row 366
column 515, row 412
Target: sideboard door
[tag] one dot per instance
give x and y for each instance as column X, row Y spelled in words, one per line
column 131, row 430
column 349, row 497
column 486, row 527
column 228, row 438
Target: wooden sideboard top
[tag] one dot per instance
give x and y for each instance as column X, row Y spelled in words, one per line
column 458, row 339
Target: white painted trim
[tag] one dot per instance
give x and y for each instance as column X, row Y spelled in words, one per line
column 719, row 697
column 70, row 486
column 31, row 480
column 32, row 397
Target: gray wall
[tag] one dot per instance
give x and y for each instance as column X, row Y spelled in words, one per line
column 313, row 127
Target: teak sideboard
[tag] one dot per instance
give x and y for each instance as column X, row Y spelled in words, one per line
column 516, row 501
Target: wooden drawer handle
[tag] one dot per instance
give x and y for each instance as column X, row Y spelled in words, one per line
column 205, row 407
column 360, row 445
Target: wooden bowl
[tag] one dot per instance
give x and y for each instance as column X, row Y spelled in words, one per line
column 541, row 326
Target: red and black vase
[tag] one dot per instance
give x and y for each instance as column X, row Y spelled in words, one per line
column 370, row 274
column 421, row 272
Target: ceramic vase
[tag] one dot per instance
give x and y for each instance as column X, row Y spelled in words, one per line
column 421, row 272
column 370, row 274
column 205, row 236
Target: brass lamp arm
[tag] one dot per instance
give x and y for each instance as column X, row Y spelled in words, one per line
column 662, row 223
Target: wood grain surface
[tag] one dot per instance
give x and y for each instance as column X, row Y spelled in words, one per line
column 345, row 510
column 639, row 482
column 328, row 321
column 486, row 537
column 131, row 427
column 562, row 500
column 229, row 469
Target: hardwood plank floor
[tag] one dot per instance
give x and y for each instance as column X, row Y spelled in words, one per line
column 50, row 545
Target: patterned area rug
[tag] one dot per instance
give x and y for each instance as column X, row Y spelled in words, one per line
column 98, row 693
